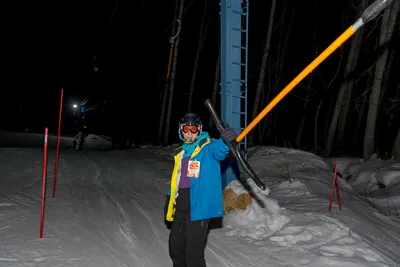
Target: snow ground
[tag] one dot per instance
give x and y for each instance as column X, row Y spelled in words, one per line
column 108, row 210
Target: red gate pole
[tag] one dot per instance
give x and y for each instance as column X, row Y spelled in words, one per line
column 337, row 188
column 335, row 183
column 58, row 144
column 43, row 181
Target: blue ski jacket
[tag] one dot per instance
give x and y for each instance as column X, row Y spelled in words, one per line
column 206, row 200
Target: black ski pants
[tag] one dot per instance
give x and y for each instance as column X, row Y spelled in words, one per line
column 187, row 241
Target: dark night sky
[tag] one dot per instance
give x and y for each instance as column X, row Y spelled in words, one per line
column 49, row 46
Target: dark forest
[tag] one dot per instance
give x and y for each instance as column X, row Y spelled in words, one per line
column 349, row 105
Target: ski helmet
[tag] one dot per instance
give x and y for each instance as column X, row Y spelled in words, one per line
column 190, row 119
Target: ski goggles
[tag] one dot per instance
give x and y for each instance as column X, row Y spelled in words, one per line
column 192, row 128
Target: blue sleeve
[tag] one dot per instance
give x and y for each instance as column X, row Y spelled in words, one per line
column 219, row 149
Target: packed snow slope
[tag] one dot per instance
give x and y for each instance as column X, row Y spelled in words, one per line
column 108, row 210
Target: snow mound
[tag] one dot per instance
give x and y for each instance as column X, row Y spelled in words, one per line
column 261, row 219
column 93, row 141
column 167, row 152
column 376, row 180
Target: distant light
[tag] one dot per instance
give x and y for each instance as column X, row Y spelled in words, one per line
column 75, row 106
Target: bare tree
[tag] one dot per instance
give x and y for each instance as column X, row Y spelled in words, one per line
column 215, row 87
column 384, row 121
column 174, row 34
column 309, row 89
column 396, row 148
column 339, row 117
column 349, row 84
column 396, row 104
column 387, row 27
column 275, row 71
column 360, row 105
column 327, row 86
column 261, row 78
column 386, row 74
column 300, row 128
column 172, row 84
column 200, row 43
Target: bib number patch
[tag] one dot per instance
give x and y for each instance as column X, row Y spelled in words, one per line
column 193, row 169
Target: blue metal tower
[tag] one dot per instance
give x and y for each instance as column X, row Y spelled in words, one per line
column 234, row 53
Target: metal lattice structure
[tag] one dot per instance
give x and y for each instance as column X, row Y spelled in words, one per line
column 234, row 57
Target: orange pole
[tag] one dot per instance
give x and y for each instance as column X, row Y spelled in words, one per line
column 326, row 53
column 169, row 62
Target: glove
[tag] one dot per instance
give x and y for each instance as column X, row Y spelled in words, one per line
column 228, row 135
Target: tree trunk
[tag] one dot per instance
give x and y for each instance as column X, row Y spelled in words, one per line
column 165, row 94
column 274, row 79
column 339, row 118
column 261, row 77
column 215, row 88
column 200, row 43
column 316, row 125
column 383, row 136
column 334, row 122
column 386, row 74
column 300, row 128
column 396, row 148
column 329, row 114
column 387, row 27
column 263, row 129
column 348, row 84
column 360, row 117
column 172, row 84
column 339, row 64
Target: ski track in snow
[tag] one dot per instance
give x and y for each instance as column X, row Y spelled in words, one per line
column 106, row 213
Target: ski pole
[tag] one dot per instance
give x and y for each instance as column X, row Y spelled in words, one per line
column 234, row 147
column 370, row 13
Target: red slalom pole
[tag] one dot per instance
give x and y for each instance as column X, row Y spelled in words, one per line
column 337, row 188
column 335, row 183
column 58, row 144
column 43, row 181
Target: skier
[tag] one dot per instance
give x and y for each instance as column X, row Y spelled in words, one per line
column 196, row 190
column 78, row 140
